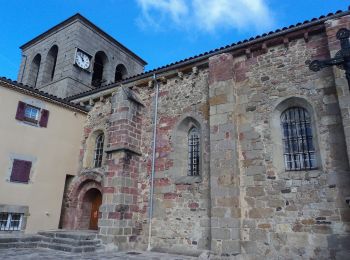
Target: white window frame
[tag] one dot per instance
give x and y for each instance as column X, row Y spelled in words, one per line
column 36, row 104
column 33, row 114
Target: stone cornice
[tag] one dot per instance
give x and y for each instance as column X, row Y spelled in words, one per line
column 119, row 148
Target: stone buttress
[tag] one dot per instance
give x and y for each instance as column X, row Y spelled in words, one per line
column 118, row 222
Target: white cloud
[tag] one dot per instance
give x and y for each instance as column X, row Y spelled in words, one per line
column 206, row 15
column 154, row 12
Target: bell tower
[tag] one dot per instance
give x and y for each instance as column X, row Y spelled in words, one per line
column 75, row 56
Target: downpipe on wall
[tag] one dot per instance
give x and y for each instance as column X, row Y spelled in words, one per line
column 155, row 118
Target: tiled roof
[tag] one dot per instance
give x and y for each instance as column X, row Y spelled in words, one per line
column 233, row 46
column 90, row 24
column 35, row 92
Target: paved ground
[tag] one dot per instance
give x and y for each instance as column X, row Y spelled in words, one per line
column 47, row 254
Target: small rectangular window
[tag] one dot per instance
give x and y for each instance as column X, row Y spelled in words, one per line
column 20, row 171
column 10, row 221
column 31, row 113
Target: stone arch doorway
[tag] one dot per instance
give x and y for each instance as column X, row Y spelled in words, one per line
column 91, row 203
column 81, row 202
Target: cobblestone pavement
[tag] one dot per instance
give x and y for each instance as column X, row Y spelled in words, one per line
column 47, row 254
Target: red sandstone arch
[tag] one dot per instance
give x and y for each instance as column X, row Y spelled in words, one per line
column 73, row 206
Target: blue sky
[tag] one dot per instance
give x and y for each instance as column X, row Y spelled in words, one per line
column 159, row 31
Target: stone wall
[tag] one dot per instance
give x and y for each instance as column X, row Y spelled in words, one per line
column 119, row 221
column 224, row 171
column 87, row 177
column 291, row 214
column 181, row 202
column 341, row 83
column 244, row 203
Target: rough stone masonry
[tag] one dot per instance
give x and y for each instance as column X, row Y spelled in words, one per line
column 244, row 204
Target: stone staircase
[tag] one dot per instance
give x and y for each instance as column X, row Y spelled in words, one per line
column 19, row 241
column 68, row 241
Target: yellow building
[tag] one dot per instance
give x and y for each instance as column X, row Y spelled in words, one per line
column 40, row 140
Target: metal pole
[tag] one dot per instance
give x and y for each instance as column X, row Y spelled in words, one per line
column 153, row 163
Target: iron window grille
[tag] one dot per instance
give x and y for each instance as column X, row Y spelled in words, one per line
column 193, row 152
column 98, row 153
column 299, row 151
column 10, row 221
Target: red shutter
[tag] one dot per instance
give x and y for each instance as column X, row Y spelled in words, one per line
column 20, row 171
column 44, row 118
column 20, row 110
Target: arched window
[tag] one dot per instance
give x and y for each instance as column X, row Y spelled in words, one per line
column 189, row 154
column 120, row 73
column 193, row 152
column 98, row 152
column 100, row 62
column 34, row 71
column 50, row 64
column 299, row 150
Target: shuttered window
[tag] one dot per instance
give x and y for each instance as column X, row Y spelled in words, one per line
column 44, row 118
column 20, row 171
column 20, row 110
column 32, row 114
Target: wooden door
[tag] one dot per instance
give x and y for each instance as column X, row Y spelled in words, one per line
column 95, row 206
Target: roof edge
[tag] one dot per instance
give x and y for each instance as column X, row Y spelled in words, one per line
column 228, row 48
column 80, row 17
column 38, row 93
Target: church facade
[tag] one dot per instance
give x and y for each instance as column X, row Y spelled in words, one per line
column 251, row 155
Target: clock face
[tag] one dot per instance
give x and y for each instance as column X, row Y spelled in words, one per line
column 82, row 60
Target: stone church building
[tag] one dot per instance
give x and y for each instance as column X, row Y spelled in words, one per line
column 251, row 155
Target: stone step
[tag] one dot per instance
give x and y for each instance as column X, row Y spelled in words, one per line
column 67, row 248
column 19, row 245
column 75, row 242
column 71, row 235
column 69, row 241
column 14, row 239
column 5, row 240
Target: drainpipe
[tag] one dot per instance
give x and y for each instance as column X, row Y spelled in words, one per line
column 153, row 163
